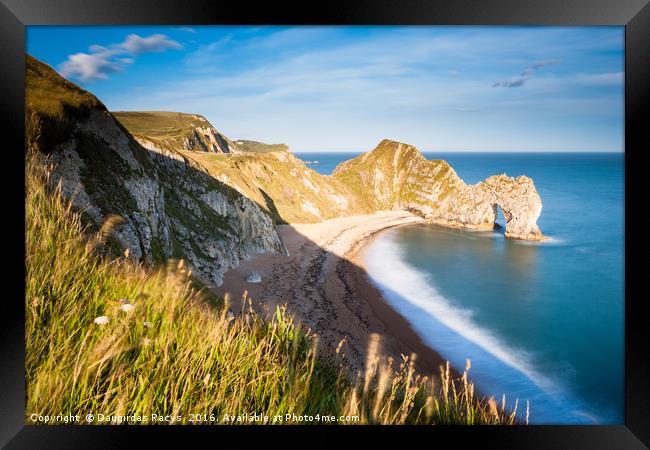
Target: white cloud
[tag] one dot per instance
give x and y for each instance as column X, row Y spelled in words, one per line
column 88, row 67
column 101, row 61
column 153, row 44
column 348, row 93
column 207, row 55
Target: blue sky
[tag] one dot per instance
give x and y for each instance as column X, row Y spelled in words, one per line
column 347, row 88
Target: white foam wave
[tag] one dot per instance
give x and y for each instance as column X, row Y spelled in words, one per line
column 548, row 240
column 416, row 288
column 442, row 324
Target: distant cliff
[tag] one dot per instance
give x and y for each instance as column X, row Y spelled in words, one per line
column 391, row 176
column 259, row 147
column 396, row 176
column 170, row 207
column 176, row 131
column 290, row 191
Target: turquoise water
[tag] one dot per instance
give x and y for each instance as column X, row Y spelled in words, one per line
column 542, row 322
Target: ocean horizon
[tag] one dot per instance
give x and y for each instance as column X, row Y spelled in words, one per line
column 542, row 322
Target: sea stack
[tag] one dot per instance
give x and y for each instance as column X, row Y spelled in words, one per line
column 519, row 201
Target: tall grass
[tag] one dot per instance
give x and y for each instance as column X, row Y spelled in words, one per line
column 174, row 351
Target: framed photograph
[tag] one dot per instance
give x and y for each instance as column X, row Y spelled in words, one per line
column 365, row 217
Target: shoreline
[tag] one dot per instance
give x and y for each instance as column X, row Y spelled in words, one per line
column 428, row 359
column 324, row 284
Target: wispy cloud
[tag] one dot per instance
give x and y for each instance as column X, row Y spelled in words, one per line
column 348, row 89
column 206, row 55
column 601, row 79
column 525, row 75
column 102, row 60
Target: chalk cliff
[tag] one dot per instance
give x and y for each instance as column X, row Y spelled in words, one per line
column 396, row 176
column 392, row 176
column 169, row 206
column 283, row 185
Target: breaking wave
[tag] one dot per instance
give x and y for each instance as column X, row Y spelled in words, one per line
column 497, row 368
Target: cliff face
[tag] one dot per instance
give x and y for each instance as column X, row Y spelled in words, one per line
column 169, row 205
column 176, row 131
column 397, row 176
column 392, row 176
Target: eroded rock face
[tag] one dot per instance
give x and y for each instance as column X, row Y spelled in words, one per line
column 396, row 176
column 170, row 207
column 519, row 201
column 392, row 176
column 283, row 186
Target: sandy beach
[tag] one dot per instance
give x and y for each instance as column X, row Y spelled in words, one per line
column 324, row 285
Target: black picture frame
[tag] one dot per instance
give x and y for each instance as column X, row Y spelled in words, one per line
column 633, row 14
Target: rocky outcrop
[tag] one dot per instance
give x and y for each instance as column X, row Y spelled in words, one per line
column 169, row 206
column 396, row 176
column 519, row 201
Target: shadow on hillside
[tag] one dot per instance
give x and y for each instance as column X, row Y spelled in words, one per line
column 270, row 206
column 329, row 294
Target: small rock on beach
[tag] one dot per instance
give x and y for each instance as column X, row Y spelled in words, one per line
column 254, row 277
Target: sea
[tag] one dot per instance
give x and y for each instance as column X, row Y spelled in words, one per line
column 541, row 323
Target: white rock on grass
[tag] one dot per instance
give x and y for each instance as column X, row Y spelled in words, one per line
column 254, row 277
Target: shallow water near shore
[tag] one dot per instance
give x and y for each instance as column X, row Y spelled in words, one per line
column 542, row 322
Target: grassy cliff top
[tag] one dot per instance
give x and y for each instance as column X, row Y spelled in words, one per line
column 52, row 104
column 260, row 147
column 48, row 93
column 160, row 124
column 174, row 129
column 387, row 153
